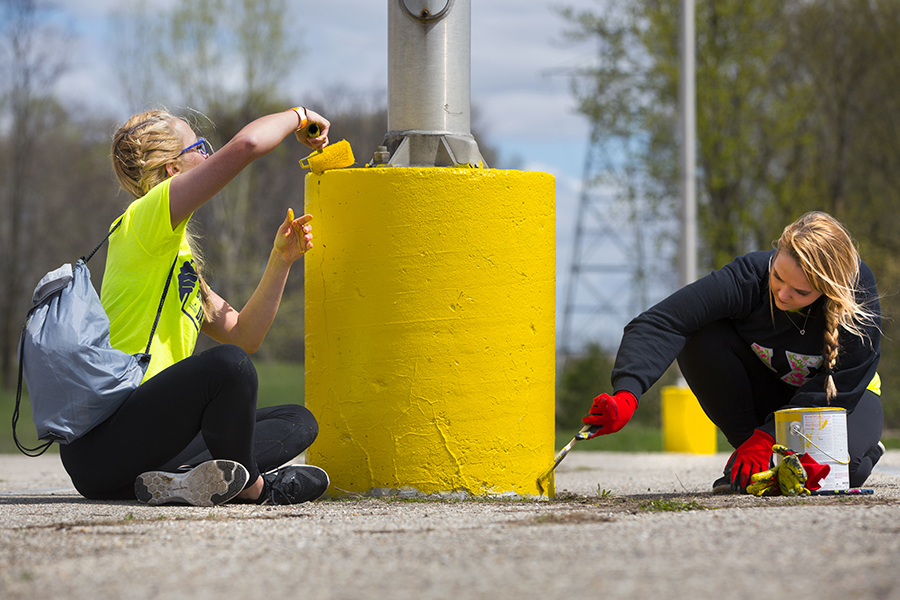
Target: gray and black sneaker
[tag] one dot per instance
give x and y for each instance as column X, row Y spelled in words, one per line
column 722, row 485
column 293, row 484
column 208, row 484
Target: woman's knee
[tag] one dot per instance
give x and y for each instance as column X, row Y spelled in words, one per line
column 864, row 428
column 231, row 366
column 861, row 468
column 310, row 424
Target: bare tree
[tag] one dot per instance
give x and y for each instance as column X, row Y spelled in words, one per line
column 33, row 59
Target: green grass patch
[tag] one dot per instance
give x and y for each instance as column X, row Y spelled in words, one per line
column 891, row 439
column 634, row 437
column 25, row 429
column 671, row 505
column 279, row 383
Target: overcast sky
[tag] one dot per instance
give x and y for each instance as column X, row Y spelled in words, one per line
column 518, row 62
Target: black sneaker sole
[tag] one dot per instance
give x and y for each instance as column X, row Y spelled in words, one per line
column 208, row 484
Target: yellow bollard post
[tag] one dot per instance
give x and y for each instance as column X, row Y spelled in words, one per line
column 686, row 428
column 429, row 324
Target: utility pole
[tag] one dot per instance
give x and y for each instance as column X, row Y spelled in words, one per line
column 688, row 121
column 610, row 270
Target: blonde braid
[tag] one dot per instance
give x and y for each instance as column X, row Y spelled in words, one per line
column 830, row 352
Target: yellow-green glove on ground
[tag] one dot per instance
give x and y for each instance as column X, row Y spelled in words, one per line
column 765, row 483
column 787, row 478
column 791, row 474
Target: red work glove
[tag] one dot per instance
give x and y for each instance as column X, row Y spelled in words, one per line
column 751, row 457
column 611, row 412
column 815, row 472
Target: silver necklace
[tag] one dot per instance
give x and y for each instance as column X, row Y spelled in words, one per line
column 802, row 331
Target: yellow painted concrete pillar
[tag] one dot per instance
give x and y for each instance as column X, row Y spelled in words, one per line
column 430, row 317
column 686, row 428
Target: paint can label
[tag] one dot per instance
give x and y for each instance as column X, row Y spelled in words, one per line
column 821, row 432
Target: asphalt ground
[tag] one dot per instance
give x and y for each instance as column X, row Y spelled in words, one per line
column 624, row 526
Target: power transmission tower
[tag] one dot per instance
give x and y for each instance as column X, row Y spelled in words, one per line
column 613, row 274
column 606, row 286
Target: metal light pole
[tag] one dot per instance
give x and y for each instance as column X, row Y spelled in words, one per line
column 687, row 93
column 429, row 83
column 686, row 428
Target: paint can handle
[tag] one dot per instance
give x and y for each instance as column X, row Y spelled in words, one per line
column 795, row 429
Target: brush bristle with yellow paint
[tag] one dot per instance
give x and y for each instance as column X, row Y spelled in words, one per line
column 334, row 156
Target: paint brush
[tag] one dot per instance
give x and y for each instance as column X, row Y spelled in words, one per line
column 543, row 480
column 334, row 156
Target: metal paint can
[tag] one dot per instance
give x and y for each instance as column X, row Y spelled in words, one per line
column 821, row 432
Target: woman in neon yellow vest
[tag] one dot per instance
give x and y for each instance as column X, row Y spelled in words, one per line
column 191, row 432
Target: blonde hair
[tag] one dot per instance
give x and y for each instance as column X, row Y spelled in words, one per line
column 141, row 150
column 828, row 257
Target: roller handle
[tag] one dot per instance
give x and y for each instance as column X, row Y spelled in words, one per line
column 587, row 431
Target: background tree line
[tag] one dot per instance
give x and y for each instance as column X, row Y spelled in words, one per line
column 217, row 63
column 798, row 108
column 226, row 58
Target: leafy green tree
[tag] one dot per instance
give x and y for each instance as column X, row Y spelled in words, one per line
column 747, row 130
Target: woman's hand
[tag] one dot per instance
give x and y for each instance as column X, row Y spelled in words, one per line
column 319, row 141
column 247, row 328
column 611, row 413
column 294, row 237
column 751, row 457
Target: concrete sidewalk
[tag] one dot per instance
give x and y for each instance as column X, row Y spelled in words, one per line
column 626, row 526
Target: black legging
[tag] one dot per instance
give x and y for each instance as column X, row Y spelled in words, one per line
column 737, row 392
column 200, row 408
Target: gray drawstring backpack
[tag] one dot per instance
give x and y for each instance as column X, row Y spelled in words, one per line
column 75, row 379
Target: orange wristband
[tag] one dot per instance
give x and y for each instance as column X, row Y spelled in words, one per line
column 304, row 120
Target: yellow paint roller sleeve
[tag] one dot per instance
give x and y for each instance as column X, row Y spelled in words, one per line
column 335, row 156
column 430, row 312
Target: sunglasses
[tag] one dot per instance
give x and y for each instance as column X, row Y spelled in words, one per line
column 201, row 146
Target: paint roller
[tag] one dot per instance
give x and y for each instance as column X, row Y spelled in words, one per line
column 543, row 480
column 333, row 156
